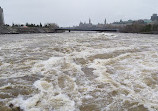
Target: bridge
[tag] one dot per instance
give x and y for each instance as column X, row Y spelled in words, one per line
column 95, row 30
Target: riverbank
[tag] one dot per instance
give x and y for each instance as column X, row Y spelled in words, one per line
column 31, row 30
column 27, row 30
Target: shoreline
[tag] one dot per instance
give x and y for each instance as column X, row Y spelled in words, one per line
column 42, row 30
column 27, row 30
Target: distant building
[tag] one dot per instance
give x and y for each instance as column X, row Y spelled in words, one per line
column 139, row 22
column 122, row 23
column 91, row 26
column 147, row 21
column 154, row 17
column 1, row 17
column 85, row 25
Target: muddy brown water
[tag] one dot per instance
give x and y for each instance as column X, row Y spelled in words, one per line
column 79, row 72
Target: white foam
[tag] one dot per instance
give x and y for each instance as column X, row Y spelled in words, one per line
column 74, row 74
column 55, row 64
column 48, row 98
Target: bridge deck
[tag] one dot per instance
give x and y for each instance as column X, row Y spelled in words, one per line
column 96, row 30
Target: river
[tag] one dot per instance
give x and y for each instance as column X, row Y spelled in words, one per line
column 79, row 71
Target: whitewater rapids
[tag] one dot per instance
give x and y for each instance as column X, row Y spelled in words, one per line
column 79, row 72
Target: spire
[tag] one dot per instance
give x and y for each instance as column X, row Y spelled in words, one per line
column 90, row 21
column 105, row 21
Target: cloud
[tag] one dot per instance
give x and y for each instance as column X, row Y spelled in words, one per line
column 71, row 12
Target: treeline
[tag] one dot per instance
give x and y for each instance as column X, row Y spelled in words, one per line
column 29, row 28
column 140, row 28
column 48, row 25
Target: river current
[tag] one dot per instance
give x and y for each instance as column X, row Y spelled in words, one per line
column 79, row 72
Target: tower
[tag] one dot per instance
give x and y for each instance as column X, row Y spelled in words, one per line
column 1, row 17
column 105, row 21
column 90, row 21
column 154, row 17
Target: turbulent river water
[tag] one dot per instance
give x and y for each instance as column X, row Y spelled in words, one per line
column 79, row 72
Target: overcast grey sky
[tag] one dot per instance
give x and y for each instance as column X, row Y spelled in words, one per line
column 71, row 12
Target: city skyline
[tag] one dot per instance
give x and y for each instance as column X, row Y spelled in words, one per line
column 69, row 12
